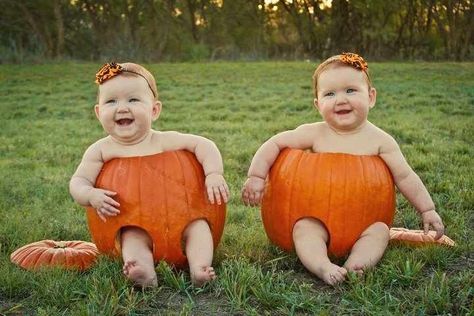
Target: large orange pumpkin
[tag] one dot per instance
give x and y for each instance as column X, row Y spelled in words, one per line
column 74, row 254
column 161, row 194
column 346, row 192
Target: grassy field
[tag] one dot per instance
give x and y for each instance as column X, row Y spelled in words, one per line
column 47, row 122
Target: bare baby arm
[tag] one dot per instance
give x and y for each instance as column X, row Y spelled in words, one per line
column 300, row 138
column 82, row 183
column 410, row 185
column 208, row 155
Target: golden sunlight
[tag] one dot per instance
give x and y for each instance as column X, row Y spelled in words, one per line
column 324, row 4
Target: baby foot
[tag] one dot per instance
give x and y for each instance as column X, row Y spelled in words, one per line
column 356, row 268
column 201, row 275
column 331, row 273
column 138, row 275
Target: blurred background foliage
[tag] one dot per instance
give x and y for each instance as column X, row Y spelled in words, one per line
column 196, row 30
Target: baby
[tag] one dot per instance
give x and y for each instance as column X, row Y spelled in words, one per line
column 344, row 95
column 127, row 105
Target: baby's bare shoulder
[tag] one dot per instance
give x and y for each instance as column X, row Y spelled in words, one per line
column 311, row 127
column 375, row 131
column 164, row 135
column 97, row 148
column 167, row 138
column 172, row 140
column 384, row 139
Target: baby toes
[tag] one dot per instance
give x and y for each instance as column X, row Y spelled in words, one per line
column 127, row 266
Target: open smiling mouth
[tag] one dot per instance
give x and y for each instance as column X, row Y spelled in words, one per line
column 343, row 111
column 124, row 122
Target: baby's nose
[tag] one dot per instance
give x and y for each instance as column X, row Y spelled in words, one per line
column 341, row 99
column 122, row 107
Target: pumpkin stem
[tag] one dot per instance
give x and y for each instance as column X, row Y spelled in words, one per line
column 60, row 244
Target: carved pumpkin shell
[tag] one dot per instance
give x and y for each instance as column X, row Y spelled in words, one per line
column 161, row 194
column 346, row 192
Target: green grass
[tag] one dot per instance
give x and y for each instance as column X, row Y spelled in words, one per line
column 47, row 122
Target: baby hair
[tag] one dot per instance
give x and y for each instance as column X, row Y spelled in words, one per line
column 343, row 60
column 110, row 70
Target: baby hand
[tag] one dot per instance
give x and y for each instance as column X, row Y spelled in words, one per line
column 217, row 187
column 103, row 202
column 432, row 218
column 252, row 191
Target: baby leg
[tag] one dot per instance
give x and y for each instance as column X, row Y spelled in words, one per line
column 369, row 248
column 138, row 257
column 310, row 237
column 199, row 251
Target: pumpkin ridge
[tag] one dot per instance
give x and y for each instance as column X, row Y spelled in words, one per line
column 85, row 246
column 59, row 256
column 71, row 244
column 44, row 257
column 33, row 257
column 81, row 261
column 345, row 219
column 166, row 230
column 362, row 189
column 288, row 221
column 291, row 202
column 367, row 185
column 115, row 174
column 178, row 158
column 380, row 173
column 186, row 195
column 19, row 254
column 69, row 256
column 88, row 252
column 328, row 208
column 313, row 176
column 375, row 184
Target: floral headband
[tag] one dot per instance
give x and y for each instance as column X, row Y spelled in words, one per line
column 110, row 70
column 354, row 60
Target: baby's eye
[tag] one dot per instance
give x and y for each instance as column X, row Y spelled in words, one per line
column 133, row 100
column 329, row 94
column 350, row 90
column 110, row 101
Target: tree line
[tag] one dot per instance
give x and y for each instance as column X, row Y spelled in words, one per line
column 170, row 30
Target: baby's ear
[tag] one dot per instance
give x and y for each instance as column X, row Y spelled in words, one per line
column 372, row 97
column 96, row 110
column 156, row 110
column 315, row 103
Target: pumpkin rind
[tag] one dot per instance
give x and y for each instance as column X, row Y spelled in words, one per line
column 161, row 194
column 418, row 237
column 74, row 254
column 346, row 192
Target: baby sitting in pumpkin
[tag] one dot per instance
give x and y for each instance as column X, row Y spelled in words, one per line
column 344, row 95
column 126, row 107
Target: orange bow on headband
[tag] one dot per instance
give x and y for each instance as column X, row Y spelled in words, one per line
column 354, row 60
column 107, row 71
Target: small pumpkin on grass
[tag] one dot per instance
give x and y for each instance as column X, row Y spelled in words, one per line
column 418, row 237
column 74, row 254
